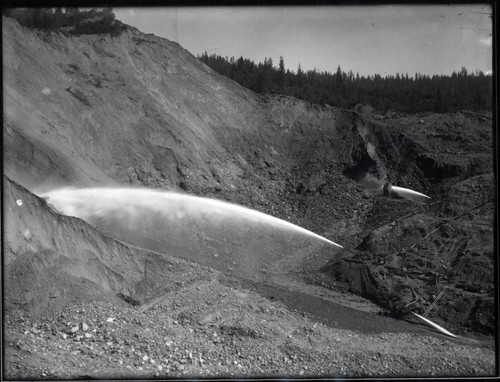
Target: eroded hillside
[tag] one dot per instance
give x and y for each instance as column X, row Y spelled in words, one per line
column 135, row 109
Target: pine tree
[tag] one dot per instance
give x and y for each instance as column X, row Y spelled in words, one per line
column 58, row 19
column 281, row 74
column 339, row 79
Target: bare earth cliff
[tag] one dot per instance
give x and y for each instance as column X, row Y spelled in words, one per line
column 82, row 301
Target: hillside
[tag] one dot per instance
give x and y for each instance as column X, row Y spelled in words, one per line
column 138, row 110
column 111, row 310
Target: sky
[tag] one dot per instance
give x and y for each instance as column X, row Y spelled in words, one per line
column 377, row 39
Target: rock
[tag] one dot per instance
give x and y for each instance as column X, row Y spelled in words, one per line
column 204, row 320
column 85, row 327
column 74, row 329
column 27, row 234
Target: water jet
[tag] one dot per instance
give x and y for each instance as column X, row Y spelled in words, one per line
column 141, row 207
column 406, row 192
column 434, row 325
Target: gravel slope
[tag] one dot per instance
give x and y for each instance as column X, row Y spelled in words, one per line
column 183, row 319
column 206, row 329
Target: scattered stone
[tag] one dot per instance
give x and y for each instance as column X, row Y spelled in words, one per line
column 27, row 234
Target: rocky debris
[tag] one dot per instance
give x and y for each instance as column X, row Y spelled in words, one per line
column 404, row 263
column 244, row 335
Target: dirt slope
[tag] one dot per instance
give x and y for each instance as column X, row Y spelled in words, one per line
column 48, row 254
column 136, row 109
column 82, row 305
column 95, row 99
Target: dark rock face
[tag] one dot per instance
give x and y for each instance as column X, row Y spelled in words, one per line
column 414, row 258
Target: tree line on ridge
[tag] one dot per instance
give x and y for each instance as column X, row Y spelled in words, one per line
column 437, row 93
column 71, row 21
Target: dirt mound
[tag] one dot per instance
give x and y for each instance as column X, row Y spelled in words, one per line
column 53, row 260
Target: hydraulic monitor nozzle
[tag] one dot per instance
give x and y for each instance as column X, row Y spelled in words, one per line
column 387, row 189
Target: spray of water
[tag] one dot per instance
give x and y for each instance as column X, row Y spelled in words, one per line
column 127, row 204
column 404, row 192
